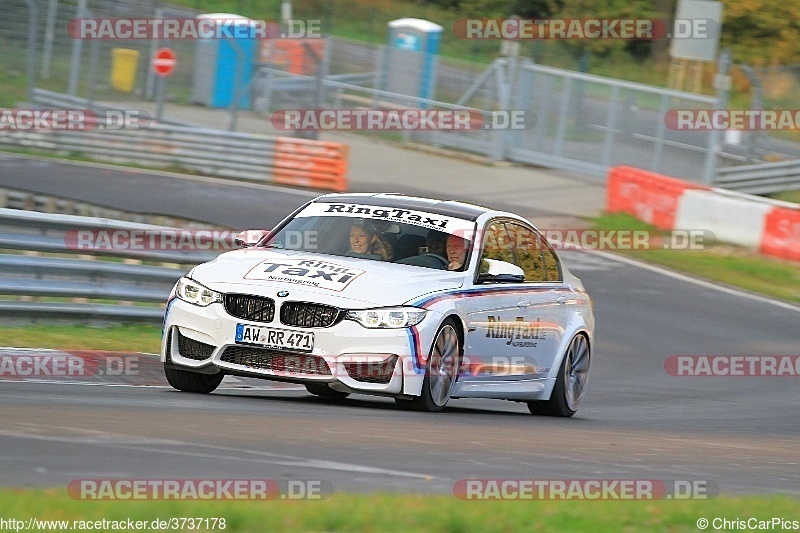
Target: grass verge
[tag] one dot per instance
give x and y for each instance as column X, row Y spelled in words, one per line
column 395, row 512
column 721, row 263
column 787, row 196
column 124, row 338
column 76, row 156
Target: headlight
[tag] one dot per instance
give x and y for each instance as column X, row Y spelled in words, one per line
column 388, row 317
column 192, row 292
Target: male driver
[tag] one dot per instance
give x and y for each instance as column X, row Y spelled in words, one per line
column 456, row 252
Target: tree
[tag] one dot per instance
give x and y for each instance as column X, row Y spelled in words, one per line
column 762, row 32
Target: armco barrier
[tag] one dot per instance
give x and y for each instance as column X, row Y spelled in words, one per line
column 137, row 280
column 264, row 158
column 647, row 196
column 300, row 162
column 770, row 226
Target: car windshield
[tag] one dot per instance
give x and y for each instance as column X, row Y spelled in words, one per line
column 378, row 233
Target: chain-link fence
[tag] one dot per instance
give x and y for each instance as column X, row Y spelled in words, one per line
column 88, row 67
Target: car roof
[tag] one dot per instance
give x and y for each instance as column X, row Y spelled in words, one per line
column 439, row 207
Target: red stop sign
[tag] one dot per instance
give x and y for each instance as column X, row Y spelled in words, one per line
column 163, row 62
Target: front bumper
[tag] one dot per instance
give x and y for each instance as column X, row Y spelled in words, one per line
column 348, row 356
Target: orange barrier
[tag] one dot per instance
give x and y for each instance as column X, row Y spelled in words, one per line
column 307, row 163
column 292, row 55
column 650, row 197
column 781, row 235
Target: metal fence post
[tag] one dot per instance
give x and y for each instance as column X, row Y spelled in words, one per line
column 754, row 138
column 49, row 34
column 611, row 127
column 155, row 44
column 33, row 22
column 77, row 49
column 658, row 150
column 94, row 57
column 563, row 117
column 722, row 84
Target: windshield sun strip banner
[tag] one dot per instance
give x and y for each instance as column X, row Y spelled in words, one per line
column 444, row 223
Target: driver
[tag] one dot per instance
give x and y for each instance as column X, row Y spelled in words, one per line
column 456, row 252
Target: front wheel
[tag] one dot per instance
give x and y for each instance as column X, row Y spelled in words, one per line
column 187, row 381
column 570, row 386
column 440, row 372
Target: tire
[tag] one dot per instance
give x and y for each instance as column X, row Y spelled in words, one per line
column 570, row 387
column 187, row 381
column 324, row 391
column 441, row 372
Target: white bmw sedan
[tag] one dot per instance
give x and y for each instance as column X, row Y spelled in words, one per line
column 416, row 299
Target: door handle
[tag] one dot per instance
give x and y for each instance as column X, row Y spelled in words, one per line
column 562, row 300
column 523, row 303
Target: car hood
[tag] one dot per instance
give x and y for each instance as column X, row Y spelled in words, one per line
column 335, row 280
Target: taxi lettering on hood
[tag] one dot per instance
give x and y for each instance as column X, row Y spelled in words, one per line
column 309, row 272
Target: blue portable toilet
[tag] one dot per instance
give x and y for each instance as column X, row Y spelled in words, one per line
column 411, row 57
column 219, row 60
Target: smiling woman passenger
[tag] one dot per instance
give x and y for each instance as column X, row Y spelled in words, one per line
column 366, row 239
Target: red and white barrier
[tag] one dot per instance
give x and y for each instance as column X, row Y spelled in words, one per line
column 770, row 226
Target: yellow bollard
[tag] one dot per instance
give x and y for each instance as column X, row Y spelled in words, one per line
column 123, row 68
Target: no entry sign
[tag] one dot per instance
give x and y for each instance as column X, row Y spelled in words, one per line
column 163, row 62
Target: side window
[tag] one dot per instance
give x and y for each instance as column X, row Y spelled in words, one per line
column 497, row 244
column 528, row 250
column 551, row 264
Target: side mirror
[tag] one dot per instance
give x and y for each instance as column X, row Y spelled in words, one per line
column 496, row 271
column 249, row 238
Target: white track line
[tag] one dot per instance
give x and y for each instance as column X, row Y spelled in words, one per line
column 157, row 445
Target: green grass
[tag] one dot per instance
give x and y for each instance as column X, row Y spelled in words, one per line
column 126, row 338
column 787, row 196
column 408, row 513
column 77, row 156
column 721, row 263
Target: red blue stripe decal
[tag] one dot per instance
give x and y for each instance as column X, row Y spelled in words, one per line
column 428, row 301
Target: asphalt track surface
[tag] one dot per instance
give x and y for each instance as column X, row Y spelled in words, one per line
column 243, row 205
column 637, row 422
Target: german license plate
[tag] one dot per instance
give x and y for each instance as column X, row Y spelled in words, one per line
column 279, row 339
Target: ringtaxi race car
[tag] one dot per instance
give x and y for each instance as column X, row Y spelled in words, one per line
column 419, row 300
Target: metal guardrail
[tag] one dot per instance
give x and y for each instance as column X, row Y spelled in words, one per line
column 763, row 178
column 62, row 283
column 31, row 201
column 215, row 152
